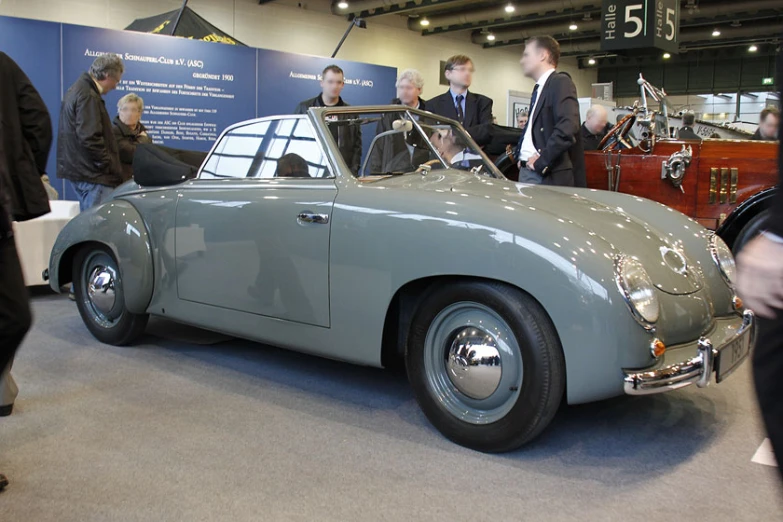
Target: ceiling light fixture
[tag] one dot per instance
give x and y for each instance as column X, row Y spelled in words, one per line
column 491, row 37
column 666, row 56
column 591, row 61
column 573, row 26
column 510, row 8
column 753, row 48
column 424, row 22
column 342, row 5
column 715, row 32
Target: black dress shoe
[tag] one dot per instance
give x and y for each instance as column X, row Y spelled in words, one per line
column 6, row 410
column 3, row 482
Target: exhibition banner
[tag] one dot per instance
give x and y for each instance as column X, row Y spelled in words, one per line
column 35, row 46
column 192, row 90
column 285, row 79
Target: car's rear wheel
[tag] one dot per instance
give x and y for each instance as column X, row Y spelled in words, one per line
column 753, row 228
column 98, row 288
column 485, row 364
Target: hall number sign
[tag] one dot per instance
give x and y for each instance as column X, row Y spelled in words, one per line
column 640, row 24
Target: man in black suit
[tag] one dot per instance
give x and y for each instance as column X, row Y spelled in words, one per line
column 686, row 132
column 25, row 141
column 550, row 149
column 470, row 109
column 347, row 137
column 760, row 283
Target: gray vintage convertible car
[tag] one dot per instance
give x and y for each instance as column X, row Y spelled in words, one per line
column 502, row 299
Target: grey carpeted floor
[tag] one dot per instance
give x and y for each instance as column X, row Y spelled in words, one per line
column 188, row 425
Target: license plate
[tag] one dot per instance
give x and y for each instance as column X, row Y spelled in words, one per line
column 731, row 356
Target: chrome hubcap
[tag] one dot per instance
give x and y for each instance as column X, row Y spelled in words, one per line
column 474, row 364
column 101, row 291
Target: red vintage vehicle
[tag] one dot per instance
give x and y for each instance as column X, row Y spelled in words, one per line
column 725, row 185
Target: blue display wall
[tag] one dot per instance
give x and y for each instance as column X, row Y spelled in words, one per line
column 192, row 90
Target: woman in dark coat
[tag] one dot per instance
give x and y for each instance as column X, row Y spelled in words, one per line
column 129, row 131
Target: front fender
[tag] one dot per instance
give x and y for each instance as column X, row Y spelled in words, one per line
column 118, row 226
column 740, row 216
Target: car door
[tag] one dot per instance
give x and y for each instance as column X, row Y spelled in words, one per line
column 252, row 232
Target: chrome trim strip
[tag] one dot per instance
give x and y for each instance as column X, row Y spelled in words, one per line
column 713, row 185
column 697, row 370
column 733, row 186
column 724, row 185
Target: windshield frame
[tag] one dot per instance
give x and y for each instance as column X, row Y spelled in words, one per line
column 319, row 115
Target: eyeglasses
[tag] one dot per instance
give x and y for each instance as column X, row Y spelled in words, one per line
column 464, row 68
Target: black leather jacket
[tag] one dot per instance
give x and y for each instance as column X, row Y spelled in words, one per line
column 348, row 137
column 86, row 148
column 25, row 139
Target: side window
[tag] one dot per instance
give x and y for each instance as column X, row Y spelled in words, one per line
column 284, row 148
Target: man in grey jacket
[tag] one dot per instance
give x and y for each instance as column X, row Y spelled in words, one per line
column 87, row 152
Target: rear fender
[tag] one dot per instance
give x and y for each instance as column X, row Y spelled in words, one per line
column 117, row 226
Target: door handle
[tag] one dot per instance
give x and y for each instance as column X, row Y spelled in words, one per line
column 312, row 217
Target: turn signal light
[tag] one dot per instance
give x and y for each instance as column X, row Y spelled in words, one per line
column 658, row 348
column 737, row 302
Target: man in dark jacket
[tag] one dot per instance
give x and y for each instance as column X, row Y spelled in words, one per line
column 769, row 120
column 686, row 132
column 550, row 149
column 87, row 153
column 25, row 141
column 760, row 283
column 595, row 127
column 348, row 137
column 400, row 152
column 472, row 110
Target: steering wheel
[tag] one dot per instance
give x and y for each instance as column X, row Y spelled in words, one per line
column 618, row 133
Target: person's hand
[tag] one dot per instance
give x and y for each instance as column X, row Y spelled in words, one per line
column 531, row 161
column 519, row 164
column 760, row 276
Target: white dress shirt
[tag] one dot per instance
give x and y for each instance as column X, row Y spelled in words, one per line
column 528, row 149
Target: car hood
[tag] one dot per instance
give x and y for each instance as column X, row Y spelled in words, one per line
column 617, row 227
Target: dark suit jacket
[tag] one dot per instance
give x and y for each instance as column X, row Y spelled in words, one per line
column 591, row 141
column 775, row 223
column 556, row 133
column 348, row 137
column 25, row 140
column 686, row 133
column 478, row 111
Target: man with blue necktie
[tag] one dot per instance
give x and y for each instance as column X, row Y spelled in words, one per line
column 458, row 103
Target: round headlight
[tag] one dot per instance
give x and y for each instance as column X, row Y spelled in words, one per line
column 638, row 290
column 723, row 257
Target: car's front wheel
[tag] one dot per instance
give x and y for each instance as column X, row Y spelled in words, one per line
column 485, row 364
column 98, row 288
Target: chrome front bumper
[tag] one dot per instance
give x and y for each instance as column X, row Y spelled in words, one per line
column 698, row 369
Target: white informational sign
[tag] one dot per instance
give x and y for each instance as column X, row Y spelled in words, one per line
column 517, row 102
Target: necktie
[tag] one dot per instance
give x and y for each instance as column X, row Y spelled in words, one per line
column 533, row 99
column 460, row 112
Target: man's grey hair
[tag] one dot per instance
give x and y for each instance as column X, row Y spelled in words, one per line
column 131, row 97
column 107, row 65
column 413, row 76
column 595, row 109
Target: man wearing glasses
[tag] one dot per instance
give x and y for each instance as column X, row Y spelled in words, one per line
column 468, row 108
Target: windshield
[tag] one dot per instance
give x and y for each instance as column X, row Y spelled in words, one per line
column 387, row 143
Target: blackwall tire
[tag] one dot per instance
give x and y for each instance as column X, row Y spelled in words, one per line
column 753, row 228
column 98, row 288
column 487, row 406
